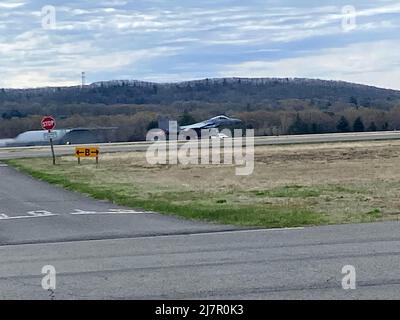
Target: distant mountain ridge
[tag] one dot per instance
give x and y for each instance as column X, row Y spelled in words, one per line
column 218, row 90
column 229, row 80
column 233, row 80
column 271, row 106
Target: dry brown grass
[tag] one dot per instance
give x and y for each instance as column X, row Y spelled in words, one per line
column 340, row 182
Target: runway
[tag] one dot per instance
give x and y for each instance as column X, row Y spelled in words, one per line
column 101, row 251
column 30, row 152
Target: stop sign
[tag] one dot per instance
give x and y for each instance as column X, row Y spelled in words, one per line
column 48, row 123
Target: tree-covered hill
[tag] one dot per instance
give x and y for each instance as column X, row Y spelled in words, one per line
column 238, row 91
column 269, row 105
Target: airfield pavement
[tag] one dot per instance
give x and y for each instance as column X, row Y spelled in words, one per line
column 101, row 250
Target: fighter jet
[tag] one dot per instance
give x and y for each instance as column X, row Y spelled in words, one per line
column 215, row 122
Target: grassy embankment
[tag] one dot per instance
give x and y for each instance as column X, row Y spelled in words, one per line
column 291, row 186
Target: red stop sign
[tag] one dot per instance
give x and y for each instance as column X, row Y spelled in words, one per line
column 48, row 123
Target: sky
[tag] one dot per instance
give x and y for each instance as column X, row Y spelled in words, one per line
column 49, row 43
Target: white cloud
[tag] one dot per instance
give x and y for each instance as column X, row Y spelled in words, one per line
column 109, row 38
column 374, row 63
column 65, row 66
column 11, row 4
column 388, row 9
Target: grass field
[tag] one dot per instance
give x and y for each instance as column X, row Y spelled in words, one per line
column 296, row 185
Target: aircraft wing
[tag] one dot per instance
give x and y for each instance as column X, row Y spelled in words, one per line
column 200, row 125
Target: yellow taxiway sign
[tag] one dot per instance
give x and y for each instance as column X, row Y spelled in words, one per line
column 87, row 152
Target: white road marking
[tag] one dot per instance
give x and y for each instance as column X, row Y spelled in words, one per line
column 235, row 231
column 111, row 211
column 6, row 217
column 216, row 233
column 41, row 213
column 44, row 213
column 127, row 211
column 3, row 165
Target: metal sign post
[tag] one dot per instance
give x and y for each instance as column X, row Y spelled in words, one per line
column 49, row 123
column 52, row 150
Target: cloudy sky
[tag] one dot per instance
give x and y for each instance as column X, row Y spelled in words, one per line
column 174, row 40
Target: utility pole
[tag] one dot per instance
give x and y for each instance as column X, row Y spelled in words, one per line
column 83, row 79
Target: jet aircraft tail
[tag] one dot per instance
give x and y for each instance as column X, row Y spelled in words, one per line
column 167, row 125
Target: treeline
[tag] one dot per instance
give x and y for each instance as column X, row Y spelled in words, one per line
column 134, row 126
column 312, row 121
column 270, row 106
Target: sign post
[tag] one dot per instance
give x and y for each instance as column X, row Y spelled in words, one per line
column 49, row 123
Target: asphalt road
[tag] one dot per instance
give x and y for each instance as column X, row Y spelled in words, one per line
column 265, row 264
column 32, row 211
column 103, row 251
column 29, row 152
